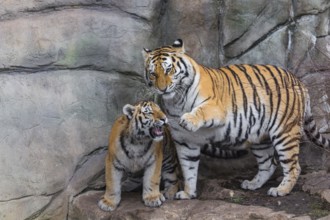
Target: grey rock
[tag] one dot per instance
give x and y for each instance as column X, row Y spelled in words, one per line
column 106, row 40
column 272, row 15
column 22, row 208
column 50, row 120
column 263, row 52
column 68, row 66
column 131, row 207
column 318, row 183
column 197, row 25
column 303, row 7
column 146, row 9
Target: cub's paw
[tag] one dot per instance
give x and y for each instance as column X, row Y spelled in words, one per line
column 184, row 195
column 107, row 205
column 251, row 185
column 154, row 200
column 170, row 193
column 189, row 122
column 277, row 191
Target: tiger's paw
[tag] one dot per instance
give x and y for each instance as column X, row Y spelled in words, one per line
column 277, row 191
column 251, row 185
column 154, row 200
column 184, row 195
column 189, row 122
column 107, row 205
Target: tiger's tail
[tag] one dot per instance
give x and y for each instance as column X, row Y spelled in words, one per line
column 312, row 131
column 314, row 135
column 216, row 152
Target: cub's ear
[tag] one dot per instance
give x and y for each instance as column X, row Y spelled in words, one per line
column 145, row 53
column 128, row 110
column 178, row 45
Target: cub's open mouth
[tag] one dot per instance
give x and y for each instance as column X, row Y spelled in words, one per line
column 157, row 131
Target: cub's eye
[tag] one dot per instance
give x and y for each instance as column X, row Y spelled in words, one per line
column 168, row 70
column 148, row 113
column 152, row 74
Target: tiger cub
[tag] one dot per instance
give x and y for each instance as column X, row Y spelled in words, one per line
column 140, row 141
column 261, row 107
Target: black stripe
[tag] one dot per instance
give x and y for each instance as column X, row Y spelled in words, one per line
column 317, row 136
column 253, row 86
column 239, row 82
column 290, row 160
column 256, row 155
column 278, row 98
column 289, row 148
column 118, row 165
column 192, row 158
column 227, row 134
column 262, row 119
column 268, row 90
column 240, row 126
column 185, row 145
column 255, row 73
column 265, row 160
column 146, row 149
column 324, row 141
column 230, row 83
column 261, row 148
column 287, row 102
column 123, row 146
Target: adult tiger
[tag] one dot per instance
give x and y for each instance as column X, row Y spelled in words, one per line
column 238, row 106
column 140, row 142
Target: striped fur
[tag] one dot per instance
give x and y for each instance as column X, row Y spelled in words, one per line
column 261, row 107
column 140, row 142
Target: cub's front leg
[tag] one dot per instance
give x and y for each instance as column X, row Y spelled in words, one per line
column 151, row 180
column 112, row 196
column 208, row 114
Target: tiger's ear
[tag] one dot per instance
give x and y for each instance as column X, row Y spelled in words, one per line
column 128, row 110
column 145, row 53
column 178, row 45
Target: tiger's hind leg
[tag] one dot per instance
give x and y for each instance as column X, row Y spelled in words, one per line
column 287, row 147
column 266, row 163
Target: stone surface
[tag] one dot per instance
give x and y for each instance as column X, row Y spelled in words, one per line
column 73, row 38
column 197, row 25
column 50, row 120
column 131, row 207
column 146, row 9
column 318, row 183
column 267, row 17
column 68, row 66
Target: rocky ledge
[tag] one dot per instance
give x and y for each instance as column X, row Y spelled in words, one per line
column 220, row 199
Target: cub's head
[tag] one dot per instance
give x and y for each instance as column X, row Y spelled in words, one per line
column 166, row 68
column 146, row 120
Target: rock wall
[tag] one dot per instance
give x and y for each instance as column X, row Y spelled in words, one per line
column 68, row 67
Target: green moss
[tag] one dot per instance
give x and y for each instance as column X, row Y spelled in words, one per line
column 237, row 199
column 319, row 209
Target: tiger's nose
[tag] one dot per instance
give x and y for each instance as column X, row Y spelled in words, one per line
column 162, row 121
column 163, row 90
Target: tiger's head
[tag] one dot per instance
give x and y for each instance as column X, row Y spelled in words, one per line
column 146, row 120
column 167, row 69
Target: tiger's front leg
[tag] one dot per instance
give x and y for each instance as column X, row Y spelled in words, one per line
column 112, row 196
column 206, row 115
column 189, row 156
column 152, row 196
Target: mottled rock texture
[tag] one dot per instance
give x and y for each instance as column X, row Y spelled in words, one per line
column 68, row 66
